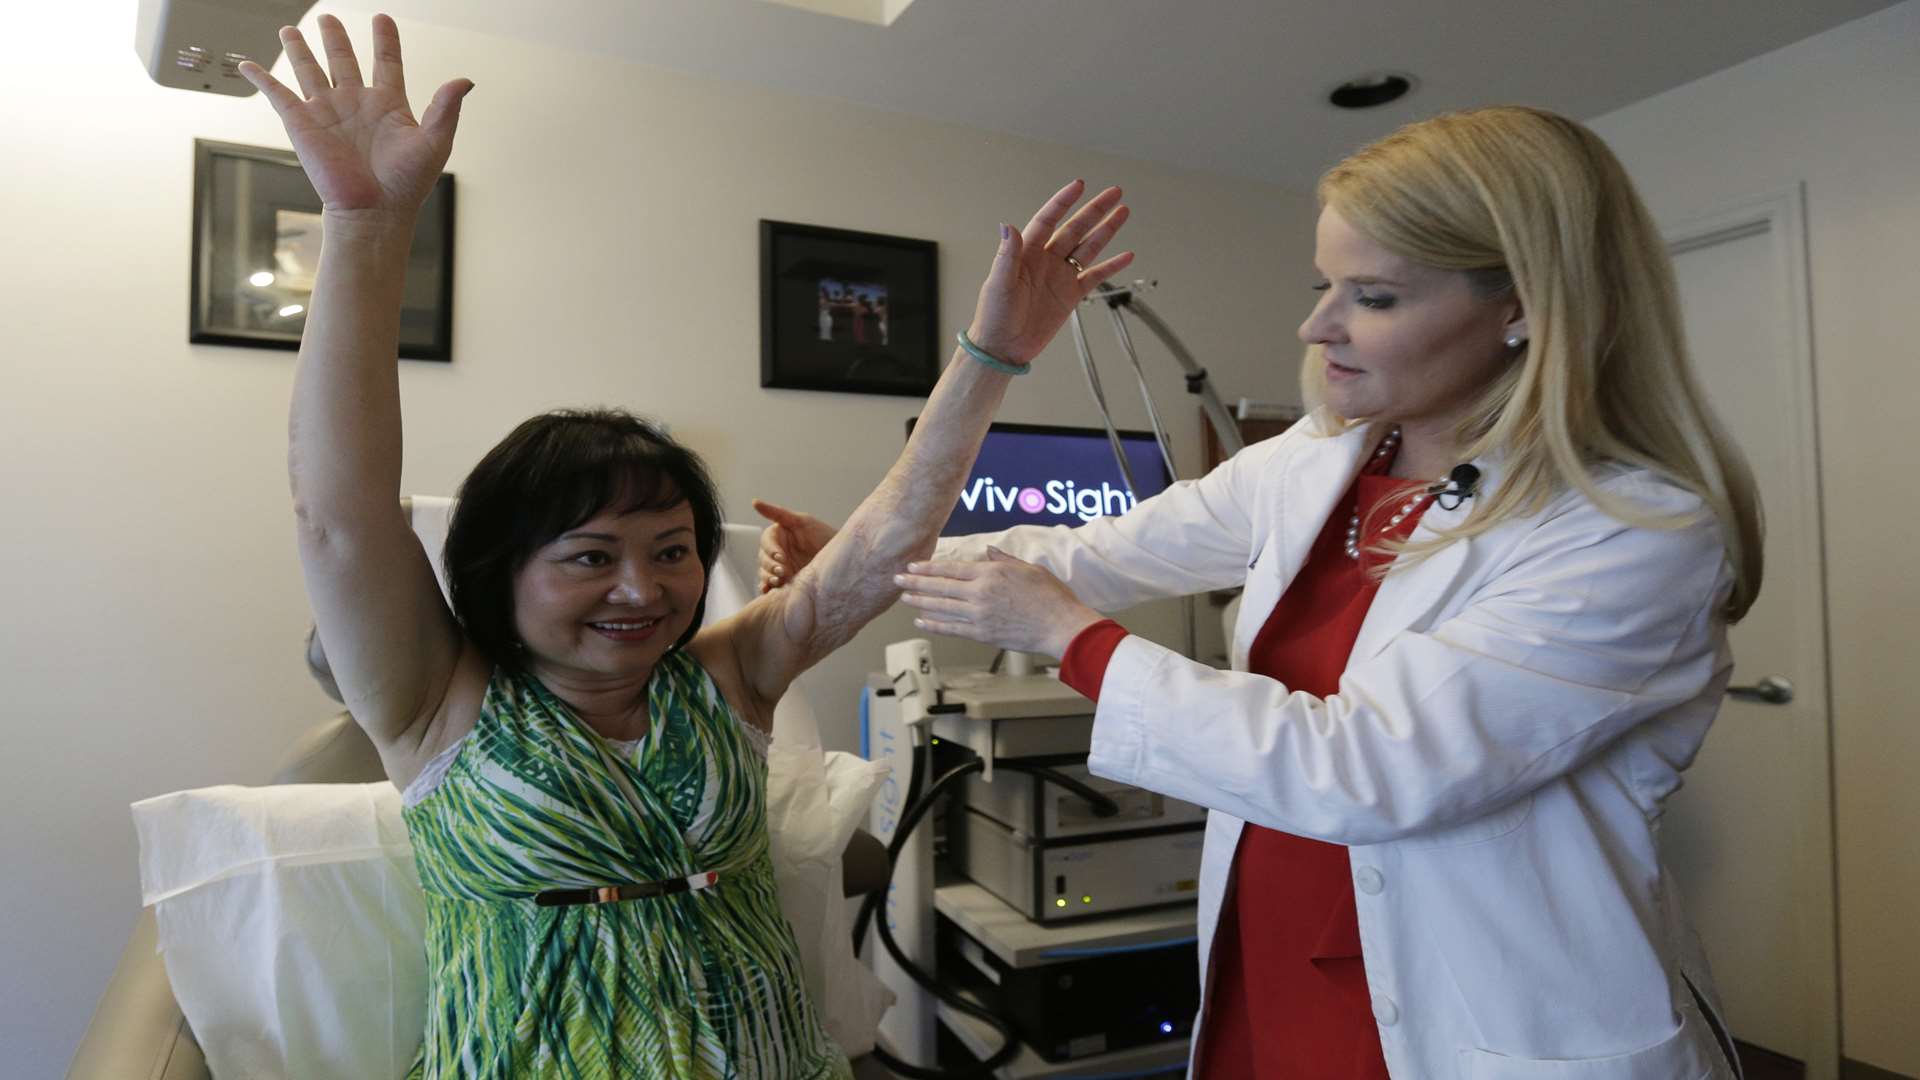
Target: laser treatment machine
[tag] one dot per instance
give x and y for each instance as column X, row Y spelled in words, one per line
column 1052, row 912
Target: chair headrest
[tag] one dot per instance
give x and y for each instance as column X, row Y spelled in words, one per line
column 318, row 667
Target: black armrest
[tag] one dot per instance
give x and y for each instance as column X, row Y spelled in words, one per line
column 863, row 866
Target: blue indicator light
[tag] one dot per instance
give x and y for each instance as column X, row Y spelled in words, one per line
column 1166, row 1027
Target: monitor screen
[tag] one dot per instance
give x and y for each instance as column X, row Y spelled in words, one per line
column 1033, row 474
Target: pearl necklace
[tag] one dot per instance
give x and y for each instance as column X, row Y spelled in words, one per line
column 1387, row 447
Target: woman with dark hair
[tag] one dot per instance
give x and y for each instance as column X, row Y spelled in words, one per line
column 551, row 473
column 582, row 790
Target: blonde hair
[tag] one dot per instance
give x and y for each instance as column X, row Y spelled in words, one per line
column 1522, row 199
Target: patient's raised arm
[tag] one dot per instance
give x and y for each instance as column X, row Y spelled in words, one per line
column 1038, row 275
column 387, row 632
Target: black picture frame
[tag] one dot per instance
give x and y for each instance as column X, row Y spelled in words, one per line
column 846, row 311
column 256, row 242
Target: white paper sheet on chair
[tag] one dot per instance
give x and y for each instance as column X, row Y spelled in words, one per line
column 291, row 920
column 814, row 803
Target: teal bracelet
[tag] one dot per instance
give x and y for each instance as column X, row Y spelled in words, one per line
column 988, row 358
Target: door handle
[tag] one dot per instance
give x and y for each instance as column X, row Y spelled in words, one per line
column 1772, row 690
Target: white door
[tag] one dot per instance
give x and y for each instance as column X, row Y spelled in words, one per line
column 1751, row 834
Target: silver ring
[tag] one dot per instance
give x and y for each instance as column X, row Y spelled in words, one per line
column 1075, row 263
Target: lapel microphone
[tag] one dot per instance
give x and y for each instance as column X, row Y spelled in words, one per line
column 1458, row 486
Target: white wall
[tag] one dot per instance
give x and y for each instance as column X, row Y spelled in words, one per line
column 152, row 613
column 1841, row 112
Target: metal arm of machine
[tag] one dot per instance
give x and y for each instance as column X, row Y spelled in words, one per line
column 1127, row 297
column 1198, row 381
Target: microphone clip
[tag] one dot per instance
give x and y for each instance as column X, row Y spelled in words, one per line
column 1459, row 486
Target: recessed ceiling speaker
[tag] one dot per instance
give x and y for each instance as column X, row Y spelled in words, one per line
column 1369, row 91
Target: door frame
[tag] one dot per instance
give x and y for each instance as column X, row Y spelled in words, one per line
column 1781, row 214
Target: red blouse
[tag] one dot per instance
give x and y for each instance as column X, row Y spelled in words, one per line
column 1288, row 995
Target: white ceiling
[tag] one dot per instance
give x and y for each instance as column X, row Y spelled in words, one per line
column 1228, row 86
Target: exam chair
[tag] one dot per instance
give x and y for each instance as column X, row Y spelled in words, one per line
column 138, row 1032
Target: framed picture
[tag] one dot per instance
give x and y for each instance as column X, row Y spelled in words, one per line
column 256, row 246
column 849, row 311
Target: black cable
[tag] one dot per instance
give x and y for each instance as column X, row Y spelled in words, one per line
column 1010, row 1042
column 917, row 809
column 916, row 758
column 1103, row 806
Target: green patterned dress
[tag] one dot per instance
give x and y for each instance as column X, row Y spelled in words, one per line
column 686, row 986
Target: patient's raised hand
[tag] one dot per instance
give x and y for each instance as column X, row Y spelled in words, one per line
column 359, row 142
column 1044, row 270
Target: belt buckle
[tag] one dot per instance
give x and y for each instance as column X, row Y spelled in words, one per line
column 613, row 894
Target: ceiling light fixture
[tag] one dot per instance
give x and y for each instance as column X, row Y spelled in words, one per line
column 876, row 12
column 1370, row 91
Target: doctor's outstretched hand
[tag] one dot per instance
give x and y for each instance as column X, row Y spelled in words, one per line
column 359, row 143
column 1000, row 601
column 789, row 543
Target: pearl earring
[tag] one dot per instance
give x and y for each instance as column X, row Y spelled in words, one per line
column 1515, row 342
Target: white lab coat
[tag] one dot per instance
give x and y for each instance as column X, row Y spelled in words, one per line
column 1515, row 712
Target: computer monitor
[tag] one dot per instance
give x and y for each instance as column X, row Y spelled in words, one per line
column 1041, row 474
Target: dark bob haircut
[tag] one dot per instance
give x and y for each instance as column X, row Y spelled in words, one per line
column 549, row 475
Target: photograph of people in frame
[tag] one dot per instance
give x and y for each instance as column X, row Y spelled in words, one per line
column 847, row 311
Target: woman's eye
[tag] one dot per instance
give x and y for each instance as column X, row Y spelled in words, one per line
column 1323, row 286
column 1378, row 303
column 674, row 554
column 590, row 558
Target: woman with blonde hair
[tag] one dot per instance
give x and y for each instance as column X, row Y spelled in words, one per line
column 1483, row 633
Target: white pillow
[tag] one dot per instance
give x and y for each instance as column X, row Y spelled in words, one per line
column 293, row 923
column 293, row 926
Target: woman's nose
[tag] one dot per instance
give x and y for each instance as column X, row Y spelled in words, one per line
column 1318, row 328
column 633, row 589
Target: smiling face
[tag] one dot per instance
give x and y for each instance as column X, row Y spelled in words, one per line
column 1403, row 342
column 606, row 599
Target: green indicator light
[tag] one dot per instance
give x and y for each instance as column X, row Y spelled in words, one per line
column 1062, row 902
column 1086, row 899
